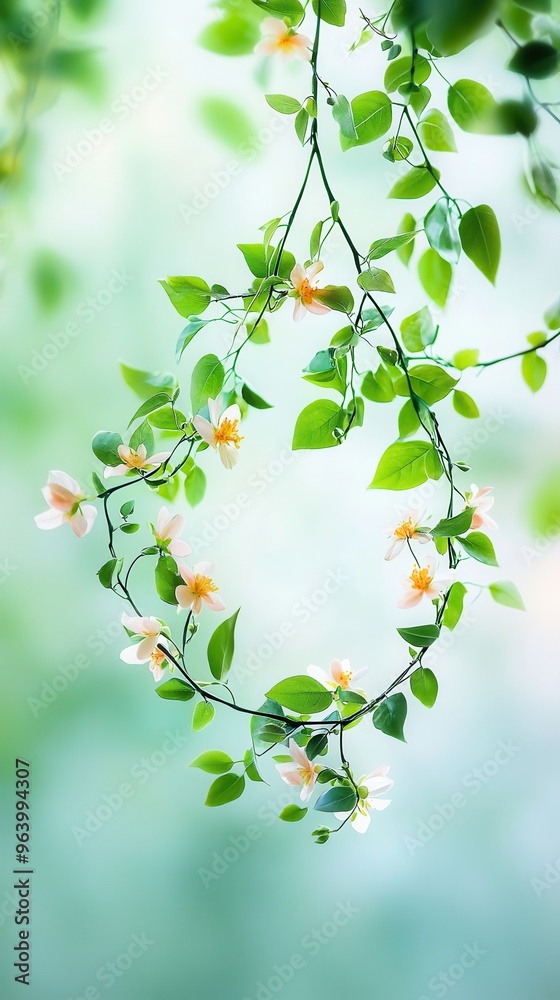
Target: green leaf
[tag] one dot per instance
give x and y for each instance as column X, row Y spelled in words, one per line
column 430, row 382
column 292, row 813
column 450, row 527
column 283, row 104
column 143, row 434
column 418, row 330
column 105, row 447
column 480, row 239
column 175, row 690
column 213, row 762
column 195, row 486
column 472, row 107
column 221, row 647
column 376, row 280
column 379, row 387
column 130, row 529
column 398, row 72
column 407, row 225
column 107, row 572
column 402, row 466
column 301, row 123
column 206, row 381
column 189, row 295
column 332, row 11
column 167, row 418
column 382, row 247
column 192, row 328
column 454, row 605
column 424, row 686
column 536, row 60
column 455, row 25
column 341, row 798
column 202, row 716
column 325, row 369
column 167, row 579
column 301, row 694
column 262, row 262
column 292, row 10
column 435, row 275
column 409, row 422
column 342, row 114
column 258, row 331
column 153, row 403
column 441, row 225
column 415, row 184
column 397, row 148
column 419, row 636
column 145, row 383
column 372, row 113
column 465, row 405
column 233, row 35
column 390, row 716
column 337, row 297
column 250, row 764
column 315, row 425
column 465, row 359
column 127, row 508
column 436, row 132
column 552, row 315
column 253, row 399
column 533, row 370
column 479, row 546
column 225, row 789
column 507, row 593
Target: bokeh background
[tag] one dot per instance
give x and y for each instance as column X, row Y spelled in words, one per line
column 448, row 892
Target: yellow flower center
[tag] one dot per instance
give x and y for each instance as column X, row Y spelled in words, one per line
column 157, row 658
column 227, row 433
column 306, row 291
column 421, row 578
column 202, row 586
column 345, row 678
column 405, row 530
column 134, row 460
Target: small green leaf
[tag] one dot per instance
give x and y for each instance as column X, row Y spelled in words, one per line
column 430, row 382
column 441, row 225
column 454, row 605
column 436, row 132
column 292, row 813
column 406, row 225
column 465, row 359
column 202, row 715
column 418, row 330
column 450, row 527
column 175, row 690
column 376, row 280
column 424, row 686
column 225, row 789
column 221, row 647
column 342, row 114
column 465, row 405
column 416, row 183
column 536, row 60
column 379, row 386
column 253, row 399
column 331, row 11
column 337, row 297
column 283, row 104
column 301, row 694
column 533, row 370
column 108, row 571
column 129, row 529
column 105, row 447
column 301, row 123
column 195, row 485
column 193, row 327
column 213, row 762
column 382, row 247
column 167, row 579
column 153, row 403
column 402, row 466
column 419, row 636
column 390, row 716
column 507, row 593
column 189, row 295
column 479, row 546
column 372, row 113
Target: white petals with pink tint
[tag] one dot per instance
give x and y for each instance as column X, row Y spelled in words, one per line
column 198, row 587
column 370, row 787
column 301, row 771
column 145, row 651
column 64, row 497
column 280, row 40
column 423, row 582
column 136, row 458
column 405, row 530
column 340, row 675
column 305, row 290
column 482, row 502
column 221, row 432
column 167, row 534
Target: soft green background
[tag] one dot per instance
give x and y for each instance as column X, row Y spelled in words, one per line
column 309, row 515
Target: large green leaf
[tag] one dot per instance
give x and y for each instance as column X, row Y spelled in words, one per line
column 221, row 647
column 225, row 789
column 507, row 593
column 332, row 11
column 454, row 605
column 144, row 384
column 479, row 546
column 435, row 274
column 472, row 107
column 536, row 60
column 301, row 694
column 105, row 447
column 213, row 762
column 341, row 798
column 175, row 690
column 418, row 331
column 430, row 382
column 402, row 466
column 480, row 239
column 424, row 686
column 390, row 716
column 372, row 114
column 315, row 425
column 436, row 132
column 167, row 579
column 206, row 381
column 415, row 184
column 420, row 636
column 189, row 295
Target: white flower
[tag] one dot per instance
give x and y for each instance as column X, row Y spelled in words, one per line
column 374, row 784
column 405, row 530
column 221, row 432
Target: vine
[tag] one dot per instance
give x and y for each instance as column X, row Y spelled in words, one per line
column 306, row 713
